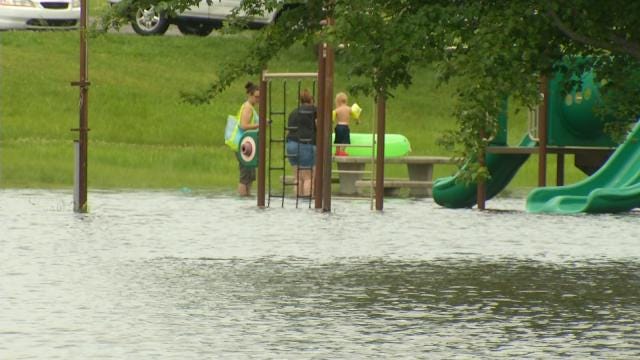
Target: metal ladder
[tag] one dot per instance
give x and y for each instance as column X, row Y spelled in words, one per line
column 281, row 167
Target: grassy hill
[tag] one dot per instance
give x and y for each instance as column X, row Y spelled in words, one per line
column 143, row 136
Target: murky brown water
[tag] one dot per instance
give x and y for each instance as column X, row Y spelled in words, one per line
column 192, row 276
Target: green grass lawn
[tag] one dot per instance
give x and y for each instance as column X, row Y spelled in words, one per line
column 143, row 136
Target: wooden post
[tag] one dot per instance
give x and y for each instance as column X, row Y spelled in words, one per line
column 481, row 194
column 328, row 97
column 82, row 145
column 320, row 142
column 381, row 124
column 262, row 140
column 560, row 169
column 542, row 132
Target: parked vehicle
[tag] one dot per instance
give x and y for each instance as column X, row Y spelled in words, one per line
column 200, row 20
column 39, row 14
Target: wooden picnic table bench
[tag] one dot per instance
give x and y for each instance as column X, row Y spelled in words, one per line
column 351, row 171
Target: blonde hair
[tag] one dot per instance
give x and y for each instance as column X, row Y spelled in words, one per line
column 341, row 98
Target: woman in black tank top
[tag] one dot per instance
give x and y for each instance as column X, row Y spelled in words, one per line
column 301, row 139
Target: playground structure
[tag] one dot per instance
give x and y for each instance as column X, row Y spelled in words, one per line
column 322, row 173
column 563, row 124
column 268, row 153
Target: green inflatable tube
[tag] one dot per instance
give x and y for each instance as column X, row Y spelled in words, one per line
column 395, row 145
column 247, row 152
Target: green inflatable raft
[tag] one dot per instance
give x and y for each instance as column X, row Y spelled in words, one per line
column 394, row 145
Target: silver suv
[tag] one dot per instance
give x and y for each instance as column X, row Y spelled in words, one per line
column 200, row 20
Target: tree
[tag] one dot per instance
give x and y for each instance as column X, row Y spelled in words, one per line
column 494, row 49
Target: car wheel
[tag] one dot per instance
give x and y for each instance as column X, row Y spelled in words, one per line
column 149, row 21
column 195, row 28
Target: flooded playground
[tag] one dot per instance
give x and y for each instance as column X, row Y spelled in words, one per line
column 187, row 275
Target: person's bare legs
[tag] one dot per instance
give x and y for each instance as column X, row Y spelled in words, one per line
column 244, row 189
column 305, row 179
column 296, row 180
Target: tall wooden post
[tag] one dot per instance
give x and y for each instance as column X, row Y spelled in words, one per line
column 482, row 190
column 328, row 98
column 542, row 132
column 381, row 124
column 262, row 140
column 81, row 145
column 320, row 142
column 481, row 195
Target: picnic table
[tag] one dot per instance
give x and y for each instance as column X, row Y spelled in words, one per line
column 351, row 171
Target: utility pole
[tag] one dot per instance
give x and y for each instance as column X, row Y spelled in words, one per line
column 81, row 144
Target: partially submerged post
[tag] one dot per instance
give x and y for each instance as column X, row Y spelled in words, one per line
column 320, row 142
column 328, row 100
column 481, row 195
column 381, row 124
column 81, row 144
column 542, row 133
column 262, row 139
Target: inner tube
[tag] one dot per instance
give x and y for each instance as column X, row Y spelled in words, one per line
column 394, row 145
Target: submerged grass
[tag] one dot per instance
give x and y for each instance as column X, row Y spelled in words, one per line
column 143, row 136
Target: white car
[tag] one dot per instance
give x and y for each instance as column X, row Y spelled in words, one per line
column 39, row 14
column 199, row 20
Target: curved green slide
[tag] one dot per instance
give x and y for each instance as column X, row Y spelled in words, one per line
column 448, row 192
column 615, row 187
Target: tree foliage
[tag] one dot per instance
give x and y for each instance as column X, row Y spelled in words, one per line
column 494, row 49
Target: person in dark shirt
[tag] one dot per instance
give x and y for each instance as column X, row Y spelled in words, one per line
column 301, row 139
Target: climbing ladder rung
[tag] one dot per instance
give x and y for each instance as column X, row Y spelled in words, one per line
column 351, row 171
column 277, row 140
column 276, row 168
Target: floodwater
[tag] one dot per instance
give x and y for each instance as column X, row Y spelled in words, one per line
column 161, row 275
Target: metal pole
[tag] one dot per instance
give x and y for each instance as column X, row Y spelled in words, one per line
column 262, row 140
column 381, row 101
column 288, row 75
column 320, row 143
column 80, row 186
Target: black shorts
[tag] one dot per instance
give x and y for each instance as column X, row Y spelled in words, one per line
column 343, row 134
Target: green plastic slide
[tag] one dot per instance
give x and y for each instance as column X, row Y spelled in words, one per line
column 615, row 187
column 451, row 193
